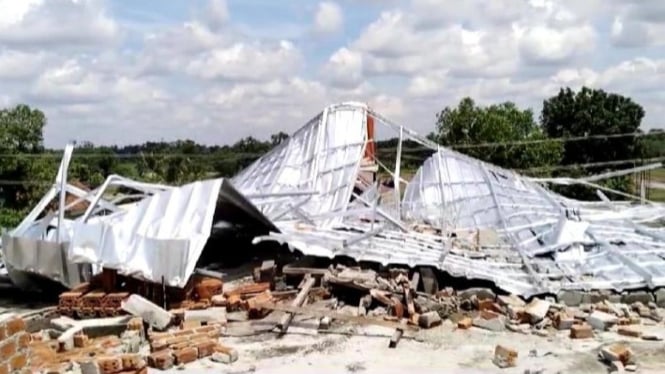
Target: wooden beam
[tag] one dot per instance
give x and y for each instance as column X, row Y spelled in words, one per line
column 307, row 285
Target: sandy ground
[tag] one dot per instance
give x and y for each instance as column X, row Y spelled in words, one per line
column 347, row 349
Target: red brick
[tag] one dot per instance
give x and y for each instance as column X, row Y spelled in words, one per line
column 135, row 324
column 80, row 340
column 23, row 340
column 186, row 355
column 206, row 348
column 4, row 368
column 161, row 360
column 505, row 357
column 7, row 349
column 3, row 332
column 109, row 364
column 583, row 331
column 15, row 325
column 465, row 323
column 625, row 331
column 18, row 361
column 132, row 362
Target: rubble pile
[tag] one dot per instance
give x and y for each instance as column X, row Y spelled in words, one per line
column 139, row 333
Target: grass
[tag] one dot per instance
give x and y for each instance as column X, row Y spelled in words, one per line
column 657, row 175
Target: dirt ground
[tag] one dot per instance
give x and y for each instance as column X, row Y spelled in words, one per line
column 356, row 349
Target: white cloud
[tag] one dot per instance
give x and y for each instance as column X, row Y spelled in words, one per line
column 207, row 76
column 63, row 22
column 550, row 45
column 344, row 68
column 17, row 65
column 217, row 14
column 246, row 62
column 329, row 18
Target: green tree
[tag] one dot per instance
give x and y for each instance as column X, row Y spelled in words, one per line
column 469, row 124
column 594, row 112
column 21, row 137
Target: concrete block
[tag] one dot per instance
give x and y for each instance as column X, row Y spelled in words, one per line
column 570, row 297
column 635, row 296
column 537, row 310
column 429, row 320
column 210, row 315
column 497, row 324
column 148, row 311
column 601, row 320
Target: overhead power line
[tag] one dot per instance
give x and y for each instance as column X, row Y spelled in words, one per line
column 540, row 168
column 241, row 155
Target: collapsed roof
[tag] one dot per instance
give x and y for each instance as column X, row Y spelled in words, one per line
column 319, row 192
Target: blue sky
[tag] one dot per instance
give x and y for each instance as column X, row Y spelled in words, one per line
column 214, row 71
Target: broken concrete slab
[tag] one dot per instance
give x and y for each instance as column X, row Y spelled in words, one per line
column 537, row 310
column 570, row 297
column 644, row 297
column 659, row 296
column 211, row 315
column 601, row 321
column 511, row 300
column 154, row 315
column 478, row 292
column 497, row 324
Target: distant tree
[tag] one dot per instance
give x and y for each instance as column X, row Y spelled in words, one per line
column 21, row 134
column 594, row 112
column 276, row 139
column 469, row 124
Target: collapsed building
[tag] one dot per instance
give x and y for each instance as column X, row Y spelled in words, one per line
column 319, row 193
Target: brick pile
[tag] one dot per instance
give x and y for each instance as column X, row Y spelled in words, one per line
column 183, row 346
column 14, row 345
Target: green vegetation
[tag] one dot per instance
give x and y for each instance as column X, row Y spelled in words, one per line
column 534, row 147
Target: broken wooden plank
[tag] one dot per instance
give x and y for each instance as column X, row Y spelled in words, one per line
column 397, row 335
column 408, row 300
column 292, row 270
column 415, row 279
column 308, row 283
column 317, row 313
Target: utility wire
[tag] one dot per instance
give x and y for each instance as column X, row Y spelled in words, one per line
column 533, row 169
column 240, row 155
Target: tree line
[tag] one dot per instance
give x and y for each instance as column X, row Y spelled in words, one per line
column 536, row 146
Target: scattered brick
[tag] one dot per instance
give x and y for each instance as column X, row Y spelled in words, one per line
column 132, row 362
column 7, row 350
column 18, row 361
column 23, row 340
column 581, row 331
column 504, row 357
column 161, row 360
column 465, row 323
column 14, row 326
column 206, row 348
column 625, row 331
column 109, row 364
column 186, row 355
column 617, row 352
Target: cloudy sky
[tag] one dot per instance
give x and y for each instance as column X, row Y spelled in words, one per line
column 127, row 71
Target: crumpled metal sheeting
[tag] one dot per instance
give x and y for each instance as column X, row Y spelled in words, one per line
column 45, row 258
column 453, row 191
column 163, row 236
column 322, row 158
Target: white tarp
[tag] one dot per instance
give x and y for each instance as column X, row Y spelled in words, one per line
column 163, row 236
